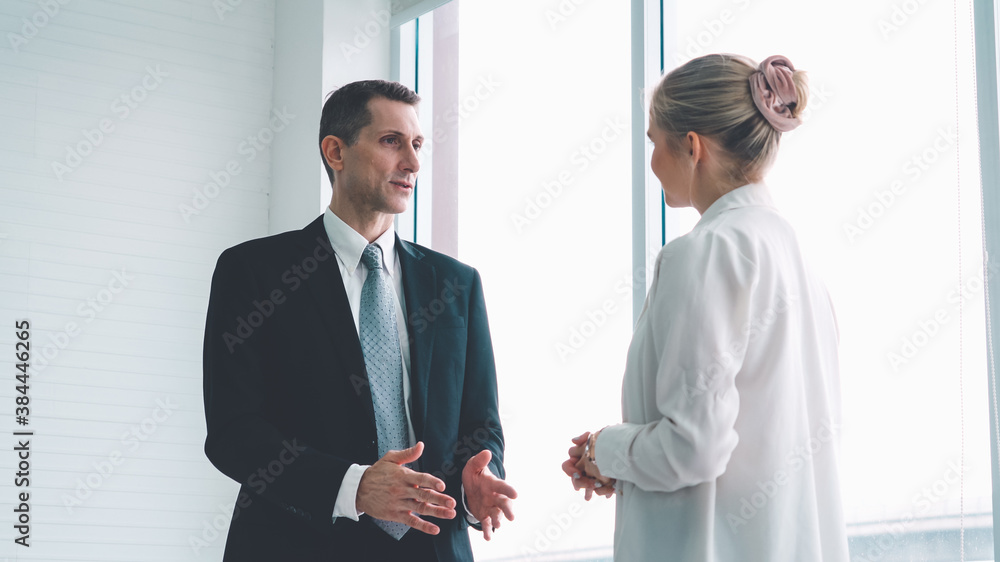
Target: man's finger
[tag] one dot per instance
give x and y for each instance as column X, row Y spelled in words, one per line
column 487, row 525
column 420, row 525
column 432, row 510
column 428, row 496
column 505, row 506
column 406, row 455
column 424, row 480
column 582, row 438
column 479, row 462
column 493, row 516
column 502, row 487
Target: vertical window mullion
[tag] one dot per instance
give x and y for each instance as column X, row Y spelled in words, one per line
column 989, row 150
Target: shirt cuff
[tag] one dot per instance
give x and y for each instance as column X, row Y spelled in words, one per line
column 468, row 514
column 347, row 498
column 607, row 440
column 609, row 446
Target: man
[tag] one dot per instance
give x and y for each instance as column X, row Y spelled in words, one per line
column 350, row 385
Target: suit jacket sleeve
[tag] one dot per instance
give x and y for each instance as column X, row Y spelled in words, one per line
column 480, row 418
column 242, row 443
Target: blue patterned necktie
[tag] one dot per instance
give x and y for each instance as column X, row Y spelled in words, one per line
column 380, row 345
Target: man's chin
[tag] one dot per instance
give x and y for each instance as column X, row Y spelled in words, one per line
column 400, row 204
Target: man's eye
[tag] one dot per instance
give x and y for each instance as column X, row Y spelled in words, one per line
column 390, row 140
column 416, row 146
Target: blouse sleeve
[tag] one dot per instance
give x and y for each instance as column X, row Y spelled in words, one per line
column 699, row 317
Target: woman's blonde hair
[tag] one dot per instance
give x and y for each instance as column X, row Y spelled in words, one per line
column 711, row 96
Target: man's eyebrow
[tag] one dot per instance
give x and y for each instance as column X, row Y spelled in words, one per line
column 400, row 134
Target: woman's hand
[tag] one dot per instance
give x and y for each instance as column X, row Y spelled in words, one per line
column 584, row 472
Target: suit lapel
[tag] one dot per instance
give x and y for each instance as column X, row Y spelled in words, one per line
column 419, row 282
column 326, row 286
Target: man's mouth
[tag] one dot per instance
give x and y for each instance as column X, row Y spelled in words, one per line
column 402, row 184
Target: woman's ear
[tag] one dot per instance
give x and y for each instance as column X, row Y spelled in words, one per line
column 696, row 146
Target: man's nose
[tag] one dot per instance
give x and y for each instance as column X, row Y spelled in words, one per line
column 411, row 160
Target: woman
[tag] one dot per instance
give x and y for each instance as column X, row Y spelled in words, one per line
column 730, row 398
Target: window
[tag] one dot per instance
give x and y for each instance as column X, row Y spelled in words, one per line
column 881, row 183
column 541, row 123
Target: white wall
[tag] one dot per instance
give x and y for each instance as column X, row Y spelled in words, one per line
column 320, row 45
column 141, row 138
column 355, row 47
column 296, row 169
column 334, row 42
column 109, row 257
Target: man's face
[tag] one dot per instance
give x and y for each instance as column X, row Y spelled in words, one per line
column 380, row 169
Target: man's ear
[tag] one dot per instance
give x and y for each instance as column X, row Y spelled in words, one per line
column 333, row 152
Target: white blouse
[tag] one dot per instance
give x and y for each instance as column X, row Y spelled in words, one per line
column 730, row 401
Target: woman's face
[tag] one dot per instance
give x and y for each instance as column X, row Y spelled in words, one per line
column 670, row 168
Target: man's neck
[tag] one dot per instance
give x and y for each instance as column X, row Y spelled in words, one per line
column 371, row 227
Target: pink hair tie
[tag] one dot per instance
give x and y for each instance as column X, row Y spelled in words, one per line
column 773, row 91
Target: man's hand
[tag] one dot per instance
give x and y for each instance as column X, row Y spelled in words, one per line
column 584, row 473
column 487, row 495
column 392, row 492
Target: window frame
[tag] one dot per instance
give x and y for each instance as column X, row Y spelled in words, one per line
column 985, row 22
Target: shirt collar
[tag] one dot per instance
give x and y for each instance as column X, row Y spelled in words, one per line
column 349, row 244
column 750, row 195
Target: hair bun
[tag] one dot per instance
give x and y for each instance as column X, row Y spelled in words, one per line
column 773, row 90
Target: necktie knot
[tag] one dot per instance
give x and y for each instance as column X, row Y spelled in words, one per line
column 372, row 257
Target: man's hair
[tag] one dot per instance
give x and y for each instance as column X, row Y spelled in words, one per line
column 346, row 110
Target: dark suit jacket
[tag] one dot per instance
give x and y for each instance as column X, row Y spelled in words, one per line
column 287, row 401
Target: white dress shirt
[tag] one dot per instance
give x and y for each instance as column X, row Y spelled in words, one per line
column 348, row 245
column 730, row 400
